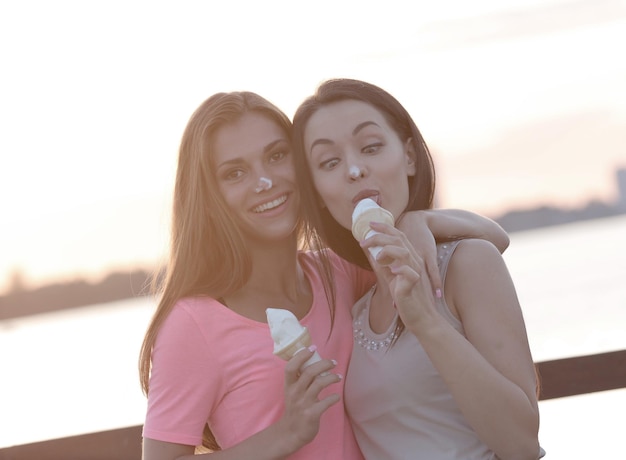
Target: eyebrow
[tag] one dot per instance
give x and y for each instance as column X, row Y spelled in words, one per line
column 355, row 131
column 266, row 149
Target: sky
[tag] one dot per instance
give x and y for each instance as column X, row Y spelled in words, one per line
column 522, row 102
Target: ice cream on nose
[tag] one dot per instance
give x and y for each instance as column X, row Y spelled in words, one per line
column 289, row 335
column 366, row 211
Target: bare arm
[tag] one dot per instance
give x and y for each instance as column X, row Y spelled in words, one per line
column 267, row 444
column 454, row 224
column 297, row 427
column 498, row 393
column 424, row 228
column 490, row 373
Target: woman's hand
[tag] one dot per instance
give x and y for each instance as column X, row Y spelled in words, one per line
column 403, row 270
column 298, row 425
column 303, row 406
column 415, row 226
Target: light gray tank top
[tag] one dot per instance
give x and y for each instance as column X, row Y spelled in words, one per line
column 399, row 406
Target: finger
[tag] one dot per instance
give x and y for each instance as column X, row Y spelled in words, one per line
column 319, row 383
column 383, row 228
column 311, row 373
column 432, row 269
column 404, row 282
column 324, row 404
column 292, row 369
column 313, row 412
column 398, row 255
column 381, row 235
column 411, row 275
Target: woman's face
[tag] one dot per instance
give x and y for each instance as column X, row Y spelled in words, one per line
column 245, row 151
column 349, row 136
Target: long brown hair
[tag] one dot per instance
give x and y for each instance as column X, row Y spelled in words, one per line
column 208, row 254
column 421, row 185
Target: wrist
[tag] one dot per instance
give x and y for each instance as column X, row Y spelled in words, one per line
column 429, row 325
column 427, row 215
column 287, row 441
column 279, row 442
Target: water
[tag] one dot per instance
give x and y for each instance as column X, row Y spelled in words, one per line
column 571, row 281
column 71, row 372
column 75, row 371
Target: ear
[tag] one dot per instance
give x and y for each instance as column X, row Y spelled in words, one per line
column 411, row 155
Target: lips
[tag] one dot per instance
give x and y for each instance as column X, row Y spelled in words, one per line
column 269, row 205
column 373, row 194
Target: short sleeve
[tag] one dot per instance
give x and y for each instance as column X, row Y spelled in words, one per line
column 183, row 385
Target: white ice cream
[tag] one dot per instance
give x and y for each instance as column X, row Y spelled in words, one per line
column 285, row 330
column 284, row 327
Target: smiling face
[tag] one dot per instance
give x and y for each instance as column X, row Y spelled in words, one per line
column 251, row 148
column 344, row 137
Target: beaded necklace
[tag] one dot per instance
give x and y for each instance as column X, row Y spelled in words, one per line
column 361, row 334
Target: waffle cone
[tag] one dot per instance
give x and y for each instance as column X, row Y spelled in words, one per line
column 361, row 225
column 302, row 341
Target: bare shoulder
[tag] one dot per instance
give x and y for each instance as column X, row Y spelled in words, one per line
column 478, row 278
column 475, row 253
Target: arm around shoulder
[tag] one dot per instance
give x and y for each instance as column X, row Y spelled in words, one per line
column 454, row 224
column 426, row 227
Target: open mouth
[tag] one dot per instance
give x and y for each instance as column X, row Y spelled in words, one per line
column 270, row 204
column 366, row 194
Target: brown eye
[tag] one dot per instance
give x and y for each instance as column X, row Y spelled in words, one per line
column 233, row 174
column 329, row 164
column 277, row 156
column 372, row 148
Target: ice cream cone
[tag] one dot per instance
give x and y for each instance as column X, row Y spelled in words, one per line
column 303, row 341
column 367, row 211
column 289, row 335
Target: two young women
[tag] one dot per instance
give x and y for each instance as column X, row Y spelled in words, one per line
column 237, row 235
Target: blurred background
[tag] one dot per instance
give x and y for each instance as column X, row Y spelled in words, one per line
column 522, row 102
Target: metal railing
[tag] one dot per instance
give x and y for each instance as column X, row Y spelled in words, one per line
column 559, row 378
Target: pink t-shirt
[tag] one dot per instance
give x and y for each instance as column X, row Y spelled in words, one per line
column 212, row 365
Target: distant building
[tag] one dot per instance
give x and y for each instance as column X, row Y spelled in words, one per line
column 544, row 216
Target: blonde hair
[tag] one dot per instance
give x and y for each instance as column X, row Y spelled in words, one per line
column 208, row 254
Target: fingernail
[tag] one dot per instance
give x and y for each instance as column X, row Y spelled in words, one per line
column 340, row 376
column 438, row 293
column 334, row 362
column 312, row 348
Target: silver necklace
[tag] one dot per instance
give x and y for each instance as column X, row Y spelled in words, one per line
column 360, row 334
